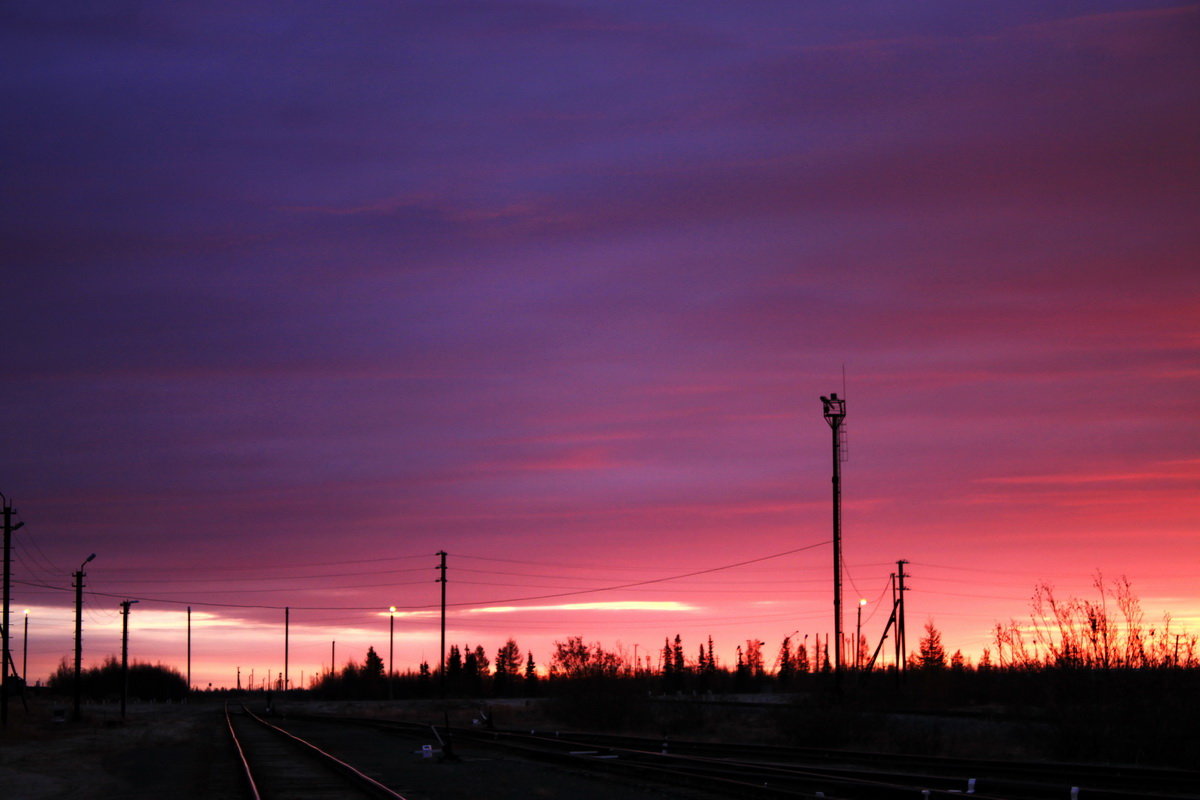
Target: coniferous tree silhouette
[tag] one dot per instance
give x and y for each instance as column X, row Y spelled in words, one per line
column 531, row 676
column 508, row 666
column 931, row 654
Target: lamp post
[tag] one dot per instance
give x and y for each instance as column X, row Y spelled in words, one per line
column 125, row 604
column 79, row 576
column 391, row 651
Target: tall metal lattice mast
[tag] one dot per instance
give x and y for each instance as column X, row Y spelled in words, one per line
column 835, row 413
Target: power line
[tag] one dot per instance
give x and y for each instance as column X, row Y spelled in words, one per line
column 37, row 554
column 273, row 577
column 572, row 593
column 315, row 589
column 980, row 596
column 675, row 591
column 260, row 567
column 577, row 579
column 875, row 603
column 612, row 568
column 968, row 569
column 557, row 565
column 647, row 582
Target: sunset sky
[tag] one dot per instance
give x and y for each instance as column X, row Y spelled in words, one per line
column 297, row 296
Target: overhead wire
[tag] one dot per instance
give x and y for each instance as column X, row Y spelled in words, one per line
column 260, row 567
column 274, row 577
column 875, row 606
column 673, row 591
column 554, row 595
column 321, row 589
column 30, row 543
column 592, row 567
column 653, row 580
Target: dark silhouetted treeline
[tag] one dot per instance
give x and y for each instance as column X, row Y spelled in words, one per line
column 1080, row 680
column 146, row 681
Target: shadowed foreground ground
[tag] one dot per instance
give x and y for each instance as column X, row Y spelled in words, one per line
column 181, row 752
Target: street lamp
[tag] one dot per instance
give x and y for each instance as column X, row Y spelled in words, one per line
column 25, row 656
column 391, row 650
column 79, row 576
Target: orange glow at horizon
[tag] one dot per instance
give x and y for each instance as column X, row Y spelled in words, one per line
column 555, row 296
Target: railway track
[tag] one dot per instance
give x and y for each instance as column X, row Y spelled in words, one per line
column 766, row 771
column 279, row 765
column 1092, row 780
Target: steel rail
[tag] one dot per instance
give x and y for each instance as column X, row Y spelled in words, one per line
column 1105, row 780
column 777, row 780
column 673, row 769
column 853, row 772
column 237, row 744
column 996, row 783
column 367, row 782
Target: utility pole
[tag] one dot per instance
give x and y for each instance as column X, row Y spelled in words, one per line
column 894, row 622
column 79, row 576
column 442, row 581
column 835, row 413
column 125, row 604
column 189, row 654
column 890, row 623
column 287, row 624
column 862, row 601
column 6, row 657
column 901, row 642
column 333, row 657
